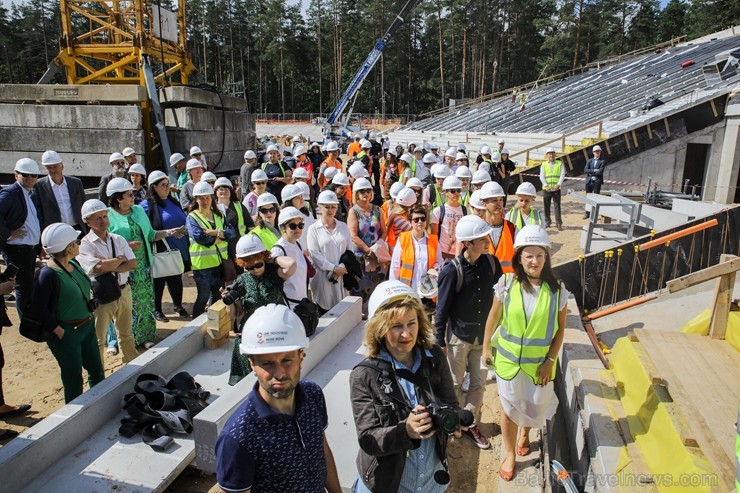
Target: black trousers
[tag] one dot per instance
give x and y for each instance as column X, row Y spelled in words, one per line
column 553, row 197
column 24, row 257
column 593, row 186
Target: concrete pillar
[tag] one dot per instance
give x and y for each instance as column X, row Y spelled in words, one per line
column 730, row 159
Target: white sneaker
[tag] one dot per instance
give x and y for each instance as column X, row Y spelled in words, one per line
column 466, row 382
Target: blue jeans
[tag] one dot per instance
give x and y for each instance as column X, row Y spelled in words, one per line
column 112, row 339
column 209, row 283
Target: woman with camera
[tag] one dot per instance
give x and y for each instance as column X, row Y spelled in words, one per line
column 261, row 284
column 403, row 398
column 63, row 306
column 530, row 306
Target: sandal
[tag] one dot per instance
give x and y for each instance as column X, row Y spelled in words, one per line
column 505, row 475
column 111, row 351
column 522, row 451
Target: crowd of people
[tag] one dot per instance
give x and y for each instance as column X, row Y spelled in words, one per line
column 454, row 284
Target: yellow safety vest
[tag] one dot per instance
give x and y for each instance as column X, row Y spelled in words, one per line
column 266, row 235
column 241, row 226
column 552, row 173
column 515, row 216
column 524, row 343
column 202, row 256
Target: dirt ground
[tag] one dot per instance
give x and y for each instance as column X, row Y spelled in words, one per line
column 31, row 376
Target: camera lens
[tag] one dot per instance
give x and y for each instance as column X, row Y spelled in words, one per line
column 446, row 420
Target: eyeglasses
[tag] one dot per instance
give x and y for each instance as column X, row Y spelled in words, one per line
column 256, row 266
column 28, row 175
column 418, row 219
column 454, row 190
column 196, row 155
column 268, row 210
column 163, row 184
column 258, row 183
column 295, row 226
column 365, row 191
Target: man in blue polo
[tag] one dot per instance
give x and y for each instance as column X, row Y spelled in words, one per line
column 275, row 441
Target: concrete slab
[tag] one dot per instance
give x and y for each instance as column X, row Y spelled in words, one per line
column 191, row 96
column 82, row 140
column 73, row 116
column 694, row 209
column 77, row 164
column 209, row 140
column 72, row 93
column 207, row 119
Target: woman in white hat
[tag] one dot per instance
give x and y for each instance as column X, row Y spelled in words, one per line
column 341, row 187
column 259, row 186
column 390, row 172
column 295, row 196
column 236, row 214
column 266, row 225
column 137, row 176
column 292, row 225
column 529, row 309
column 399, row 219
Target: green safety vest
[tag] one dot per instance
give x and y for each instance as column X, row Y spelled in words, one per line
column 202, row 256
column 439, row 198
column 360, row 155
column 515, row 216
column 266, row 235
column 242, row 228
column 524, row 343
column 465, row 198
column 552, row 173
column 279, row 163
column 413, row 167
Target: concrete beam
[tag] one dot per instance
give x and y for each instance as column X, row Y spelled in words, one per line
column 208, row 140
column 727, row 176
column 207, row 119
column 77, row 164
column 190, row 96
column 333, row 327
column 72, row 116
column 81, row 94
column 73, row 141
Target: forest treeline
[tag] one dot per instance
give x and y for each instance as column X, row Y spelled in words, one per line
column 285, row 57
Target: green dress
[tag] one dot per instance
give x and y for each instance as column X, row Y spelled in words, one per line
column 260, row 291
column 142, row 291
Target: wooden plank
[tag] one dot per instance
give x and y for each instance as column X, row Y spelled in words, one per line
column 700, row 276
column 722, row 302
column 649, row 130
column 704, row 386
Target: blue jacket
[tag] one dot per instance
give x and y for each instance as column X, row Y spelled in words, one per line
column 13, row 210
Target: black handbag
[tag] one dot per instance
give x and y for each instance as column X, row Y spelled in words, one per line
column 105, row 287
column 308, row 312
column 34, row 330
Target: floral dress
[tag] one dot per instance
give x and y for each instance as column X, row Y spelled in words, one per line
column 142, row 291
column 368, row 228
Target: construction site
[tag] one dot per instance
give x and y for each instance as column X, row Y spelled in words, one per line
column 647, row 378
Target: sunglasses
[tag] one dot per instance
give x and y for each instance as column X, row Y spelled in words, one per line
column 454, row 190
column 258, row 183
column 268, row 210
column 256, row 266
column 295, row 226
column 196, row 155
column 365, row 191
column 28, row 175
column 418, row 219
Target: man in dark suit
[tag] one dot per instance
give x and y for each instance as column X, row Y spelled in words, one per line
column 20, row 229
column 61, row 197
column 118, row 170
column 594, row 173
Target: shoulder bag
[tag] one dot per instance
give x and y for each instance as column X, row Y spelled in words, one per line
column 105, row 287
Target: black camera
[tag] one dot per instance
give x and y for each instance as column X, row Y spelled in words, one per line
column 233, row 292
column 330, row 276
column 444, row 417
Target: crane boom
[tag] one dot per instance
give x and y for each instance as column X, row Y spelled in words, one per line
column 354, row 86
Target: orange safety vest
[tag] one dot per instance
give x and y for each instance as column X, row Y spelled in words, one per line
column 330, row 163
column 408, row 262
column 353, row 149
column 504, row 251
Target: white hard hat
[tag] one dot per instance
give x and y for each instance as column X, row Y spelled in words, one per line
column 429, row 158
column 470, row 228
column 258, row 175
column 427, row 286
column 332, row 146
column 116, row 156
column 357, row 170
column 208, row 176
column 27, row 165
column 532, row 235
column 412, row 143
column 406, row 157
column 50, row 158
column 395, row 188
column 340, row 179
column 117, row 185
column 299, row 149
column 434, row 168
column 526, row 188
column 463, row 172
column 327, row 197
column 202, row 188
column 365, row 144
column 549, row 150
column 155, row 176
column 195, row 150
column 414, row 183
column 176, row 158
column 223, row 182
column 461, row 147
column 419, row 149
column 433, row 146
column 451, row 183
column 266, row 199
column 504, row 151
column 296, row 139
column 193, row 164
column 305, row 189
column 387, row 292
column 461, row 156
column 451, row 152
column 128, row 152
column 300, row 173
column 273, row 329
column 249, row 244
column 288, row 150
column 315, row 144
column 290, row 192
column 330, row 172
column 92, row 206
column 56, row 237
column 357, row 136
column 596, row 148
column 250, row 155
column 475, row 201
column 138, row 169
column 288, row 214
column 373, row 135
column 406, row 197
column 481, row 176
column 484, row 149
column 442, row 171
column 361, row 184
column 392, row 152
column 272, row 148
column 496, row 157
column 501, row 141
column 490, row 190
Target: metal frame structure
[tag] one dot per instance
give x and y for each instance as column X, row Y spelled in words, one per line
column 116, row 35
column 630, row 207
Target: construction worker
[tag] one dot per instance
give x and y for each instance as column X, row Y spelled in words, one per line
column 245, row 173
column 552, row 174
column 502, row 231
column 465, row 175
column 278, row 173
column 523, row 213
column 530, row 306
column 446, row 217
column 331, row 161
column 436, row 196
column 354, row 147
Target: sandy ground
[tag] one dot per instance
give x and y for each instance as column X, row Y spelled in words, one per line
column 31, row 376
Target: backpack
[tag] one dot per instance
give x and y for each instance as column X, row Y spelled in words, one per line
column 459, row 271
column 442, row 216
